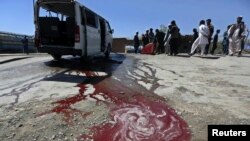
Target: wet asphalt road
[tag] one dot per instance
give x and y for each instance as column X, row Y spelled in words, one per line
column 126, row 97
column 136, row 113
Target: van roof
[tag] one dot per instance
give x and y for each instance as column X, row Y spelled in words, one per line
column 69, row 1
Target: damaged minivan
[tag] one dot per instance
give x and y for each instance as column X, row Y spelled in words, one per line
column 65, row 27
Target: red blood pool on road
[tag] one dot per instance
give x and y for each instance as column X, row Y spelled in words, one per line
column 142, row 120
column 64, row 106
column 135, row 117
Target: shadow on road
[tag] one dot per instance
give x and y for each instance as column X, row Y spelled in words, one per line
column 12, row 60
column 77, row 71
column 183, row 55
column 208, row 57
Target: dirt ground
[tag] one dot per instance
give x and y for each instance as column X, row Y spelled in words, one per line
column 45, row 100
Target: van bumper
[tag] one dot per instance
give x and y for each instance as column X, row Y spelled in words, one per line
column 59, row 50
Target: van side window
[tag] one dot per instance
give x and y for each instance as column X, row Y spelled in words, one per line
column 91, row 19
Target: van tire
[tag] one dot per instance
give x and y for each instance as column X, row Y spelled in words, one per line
column 107, row 51
column 56, row 57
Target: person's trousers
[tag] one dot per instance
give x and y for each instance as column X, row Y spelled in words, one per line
column 234, row 46
column 195, row 45
column 136, row 49
column 160, row 48
column 214, row 48
column 242, row 45
column 225, row 49
column 207, row 46
column 173, row 46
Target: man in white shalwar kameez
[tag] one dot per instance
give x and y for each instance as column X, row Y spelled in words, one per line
column 236, row 35
column 202, row 40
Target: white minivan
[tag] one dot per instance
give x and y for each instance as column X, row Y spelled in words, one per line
column 65, row 27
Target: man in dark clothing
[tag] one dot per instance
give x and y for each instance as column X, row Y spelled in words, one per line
column 215, row 41
column 243, row 28
column 151, row 35
column 147, row 37
column 174, row 39
column 136, row 42
column 144, row 40
column 211, row 32
column 195, row 36
column 225, row 42
column 159, row 41
column 25, row 45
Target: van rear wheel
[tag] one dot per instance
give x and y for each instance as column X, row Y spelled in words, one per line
column 56, row 57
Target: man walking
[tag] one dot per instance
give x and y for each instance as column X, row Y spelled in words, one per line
column 244, row 37
column 202, row 40
column 210, row 35
column 236, row 34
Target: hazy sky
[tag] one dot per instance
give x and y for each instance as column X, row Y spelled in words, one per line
column 128, row 16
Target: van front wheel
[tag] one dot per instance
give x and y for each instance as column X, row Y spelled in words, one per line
column 56, row 56
column 107, row 51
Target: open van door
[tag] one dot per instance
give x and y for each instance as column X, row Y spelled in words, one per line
column 109, row 39
column 93, row 32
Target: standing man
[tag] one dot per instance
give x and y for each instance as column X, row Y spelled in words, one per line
column 215, row 41
column 195, row 35
column 167, row 40
column 202, row 40
column 143, row 40
column 225, row 41
column 174, row 39
column 25, row 45
column 136, row 42
column 151, row 35
column 236, row 34
column 211, row 32
column 244, row 37
column 159, row 41
column 147, row 37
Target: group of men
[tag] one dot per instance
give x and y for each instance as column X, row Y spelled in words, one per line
column 159, row 39
column 233, row 39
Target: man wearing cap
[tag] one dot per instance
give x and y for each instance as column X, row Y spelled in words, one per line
column 210, row 35
column 236, row 35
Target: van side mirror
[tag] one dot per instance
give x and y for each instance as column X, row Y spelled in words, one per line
column 112, row 31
